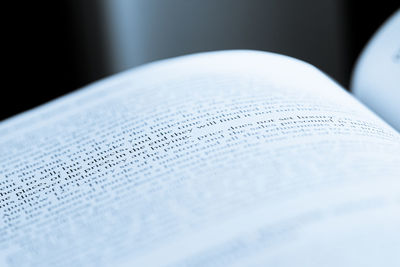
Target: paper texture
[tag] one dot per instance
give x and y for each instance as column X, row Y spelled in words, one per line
column 216, row 159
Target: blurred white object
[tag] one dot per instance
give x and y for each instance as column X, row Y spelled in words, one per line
column 376, row 77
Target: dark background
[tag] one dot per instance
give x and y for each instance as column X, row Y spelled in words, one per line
column 52, row 48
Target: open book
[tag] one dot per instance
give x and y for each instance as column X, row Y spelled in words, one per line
column 232, row 158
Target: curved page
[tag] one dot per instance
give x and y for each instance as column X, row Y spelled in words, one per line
column 236, row 158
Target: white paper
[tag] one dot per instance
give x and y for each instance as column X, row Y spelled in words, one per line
column 217, row 159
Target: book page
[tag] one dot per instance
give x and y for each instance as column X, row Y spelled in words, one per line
column 235, row 158
column 376, row 77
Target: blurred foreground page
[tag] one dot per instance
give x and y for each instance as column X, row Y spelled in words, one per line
column 236, row 158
